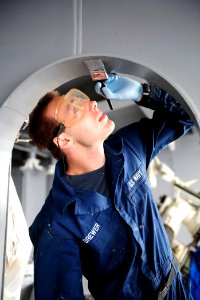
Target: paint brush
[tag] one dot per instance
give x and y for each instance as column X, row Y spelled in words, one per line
column 98, row 73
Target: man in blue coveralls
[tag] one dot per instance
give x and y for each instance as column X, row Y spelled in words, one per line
column 100, row 219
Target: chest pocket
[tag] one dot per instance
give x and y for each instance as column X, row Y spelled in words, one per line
column 139, row 196
column 135, row 181
column 137, row 189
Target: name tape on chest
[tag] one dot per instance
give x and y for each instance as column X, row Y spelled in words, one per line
column 92, row 233
column 135, row 178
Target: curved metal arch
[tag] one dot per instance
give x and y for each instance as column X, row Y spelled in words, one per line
column 19, row 104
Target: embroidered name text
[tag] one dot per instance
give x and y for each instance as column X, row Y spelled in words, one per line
column 92, row 233
column 135, row 178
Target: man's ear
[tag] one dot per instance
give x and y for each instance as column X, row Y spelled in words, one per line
column 62, row 141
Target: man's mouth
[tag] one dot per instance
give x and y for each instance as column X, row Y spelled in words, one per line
column 102, row 117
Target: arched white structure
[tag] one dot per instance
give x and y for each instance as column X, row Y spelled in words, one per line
column 19, row 104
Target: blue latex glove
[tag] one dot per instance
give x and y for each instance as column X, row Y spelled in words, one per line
column 119, row 88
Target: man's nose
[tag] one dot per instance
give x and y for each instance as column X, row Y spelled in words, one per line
column 93, row 105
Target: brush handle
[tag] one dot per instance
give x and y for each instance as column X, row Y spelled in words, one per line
column 108, row 100
column 110, row 104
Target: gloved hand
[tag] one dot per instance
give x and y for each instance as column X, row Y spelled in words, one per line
column 119, row 88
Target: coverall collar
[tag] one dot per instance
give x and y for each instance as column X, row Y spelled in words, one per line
column 87, row 202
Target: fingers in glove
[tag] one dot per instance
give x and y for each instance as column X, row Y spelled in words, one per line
column 107, row 92
column 98, row 86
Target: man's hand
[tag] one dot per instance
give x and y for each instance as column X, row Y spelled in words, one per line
column 120, row 88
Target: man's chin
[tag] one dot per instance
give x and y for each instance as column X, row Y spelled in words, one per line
column 111, row 127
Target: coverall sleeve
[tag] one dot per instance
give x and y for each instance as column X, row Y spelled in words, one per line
column 57, row 269
column 161, row 100
column 169, row 122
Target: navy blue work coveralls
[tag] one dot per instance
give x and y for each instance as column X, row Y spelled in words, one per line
column 75, row 231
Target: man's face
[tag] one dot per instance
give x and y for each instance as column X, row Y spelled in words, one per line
column 83, row 121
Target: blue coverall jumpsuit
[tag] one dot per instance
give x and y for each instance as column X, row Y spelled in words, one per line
column 76, row 231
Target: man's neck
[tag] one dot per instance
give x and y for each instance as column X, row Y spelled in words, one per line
column 85, row 161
